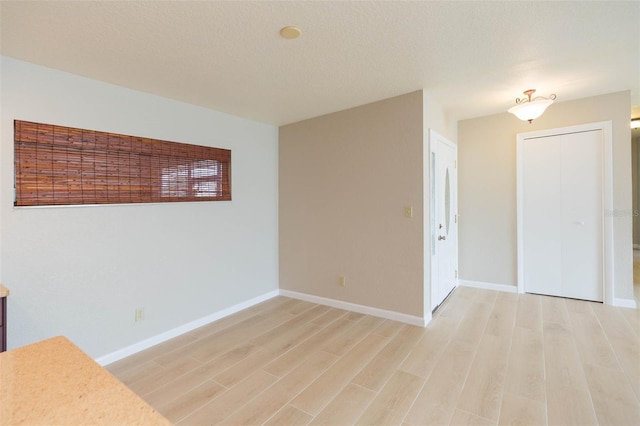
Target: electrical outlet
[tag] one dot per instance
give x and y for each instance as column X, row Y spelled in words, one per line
column 139, row 314
column 408, row 212
column 342, row 281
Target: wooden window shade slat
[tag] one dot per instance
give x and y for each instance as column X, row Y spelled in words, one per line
column 56, row 165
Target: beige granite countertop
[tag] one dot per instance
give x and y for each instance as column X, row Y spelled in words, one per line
column 4, row 292
column 54, row 382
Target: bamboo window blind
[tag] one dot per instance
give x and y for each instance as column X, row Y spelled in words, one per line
column 56, row 165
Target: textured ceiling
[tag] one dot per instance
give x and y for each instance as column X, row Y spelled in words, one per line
column 474, row 58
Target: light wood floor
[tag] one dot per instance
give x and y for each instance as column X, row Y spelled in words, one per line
column 486, row 358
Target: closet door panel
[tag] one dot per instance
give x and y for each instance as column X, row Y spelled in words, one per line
column 541, row 219
column 582, row 222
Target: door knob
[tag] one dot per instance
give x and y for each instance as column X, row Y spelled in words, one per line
column 441, row 237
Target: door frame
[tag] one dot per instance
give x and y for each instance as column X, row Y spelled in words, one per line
column 431, row 235
column 607, row 201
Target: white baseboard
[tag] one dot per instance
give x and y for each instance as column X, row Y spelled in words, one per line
column 625, row 303
column 382, row 313
column 489, row 286
column 174, row 332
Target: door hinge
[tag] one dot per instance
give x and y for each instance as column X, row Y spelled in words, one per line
column 455, row 164
column 456, row 274
column 455, row 218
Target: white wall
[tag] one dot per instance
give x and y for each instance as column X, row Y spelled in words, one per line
column 82, row 271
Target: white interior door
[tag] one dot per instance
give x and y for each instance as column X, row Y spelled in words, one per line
column 561, row 211
column 444, row 226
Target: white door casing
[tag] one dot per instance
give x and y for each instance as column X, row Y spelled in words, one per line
column 444, row 217
column 565, row 239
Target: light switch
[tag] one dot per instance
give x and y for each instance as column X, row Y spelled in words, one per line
column 408, row 212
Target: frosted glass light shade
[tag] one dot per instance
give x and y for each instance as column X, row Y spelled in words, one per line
column 530, row 110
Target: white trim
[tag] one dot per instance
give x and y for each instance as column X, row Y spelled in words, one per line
column 489, row 286
column 625, row 303
column 382, row 313
column 174, row 332
column 607, row 201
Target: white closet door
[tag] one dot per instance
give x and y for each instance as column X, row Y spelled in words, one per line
column 542, row 192
column 562, row 215
column 582, row 210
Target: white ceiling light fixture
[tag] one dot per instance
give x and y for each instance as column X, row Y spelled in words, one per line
column 635, row 123
column 528, row 109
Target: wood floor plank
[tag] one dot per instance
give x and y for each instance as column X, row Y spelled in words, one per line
column 517, row 410
column 223, row 323
column 289, row 416
column 313, row 399
column 298, row 307
column 472, row 326
column 616, row 325
column 216, row 344
column 330, row 316
column 624, row 340
column 529, row 313
column 198, row 375
column 568, row 406
column 352, row 336
column 289, row 337
column 580, row 306
column 612, row 412
column 346, row 407
column 563, row 365
column 393, row 401
column 166, row 374
column 627, row 353
column 525, row 370
column 613, row 398
column 233, row 375
column 230, row 401
column 593, row 345
column 290, row 327
column 378, row 371
column 279, row 394
column 503, row 315
column 138, row 371
column 427, row 351
column 633, row 317
column 388, row 328
column 482, row 392
column 291, row 359
column 462, row 418
column 436, row 401
column 456, row 305
column 187, row 403
column 355, row 316
column 554, row 309
column 119, row 368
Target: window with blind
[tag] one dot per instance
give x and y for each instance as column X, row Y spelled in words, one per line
column 56, row 165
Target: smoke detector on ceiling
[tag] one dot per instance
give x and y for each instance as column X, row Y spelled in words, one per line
column 290, row 32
